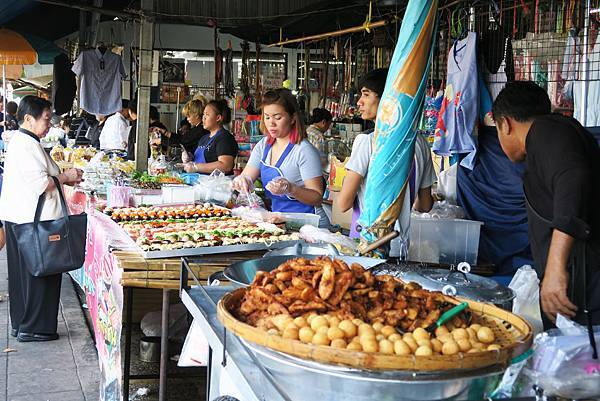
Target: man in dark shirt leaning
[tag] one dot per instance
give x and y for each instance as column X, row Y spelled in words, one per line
column 561, row 189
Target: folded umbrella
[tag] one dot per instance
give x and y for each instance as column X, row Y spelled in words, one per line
column 397, row 118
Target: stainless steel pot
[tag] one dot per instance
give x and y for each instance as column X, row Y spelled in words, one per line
column 309, row 380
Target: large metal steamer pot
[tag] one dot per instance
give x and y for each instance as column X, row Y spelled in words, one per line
column 455, row 282
column 309, row 380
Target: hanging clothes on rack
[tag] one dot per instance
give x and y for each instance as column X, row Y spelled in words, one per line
column 497, row 59
column 592, row 109
column 456, row 127
column 101, row 74
column 228, row 75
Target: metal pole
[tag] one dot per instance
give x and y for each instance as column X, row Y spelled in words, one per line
column 4, row 93
column 94, row 23
column 585, row 83
column 215, row 44
column 164, row 347
column 177, row 110
column 144, row 85
column 127, row 356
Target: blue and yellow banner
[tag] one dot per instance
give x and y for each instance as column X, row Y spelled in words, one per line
column 397, row 118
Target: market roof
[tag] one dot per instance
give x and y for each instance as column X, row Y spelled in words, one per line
column 257, row 20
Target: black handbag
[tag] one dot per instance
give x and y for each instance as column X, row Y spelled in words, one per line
column 52, row 246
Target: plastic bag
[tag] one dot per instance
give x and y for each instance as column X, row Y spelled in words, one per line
column 526, row 304
column 344, row 244
column 119, row 196
column 215, row 187
column 443, row 210
column 447, row 184
column 195, row 348
column 249, row 199
column 151, row 323
column 562, row 363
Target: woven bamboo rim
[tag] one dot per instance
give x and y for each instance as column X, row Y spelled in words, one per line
column 513, row 333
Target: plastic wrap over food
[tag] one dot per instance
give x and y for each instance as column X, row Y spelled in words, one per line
column 314, row 234
column 252, row 214
column 563, row 363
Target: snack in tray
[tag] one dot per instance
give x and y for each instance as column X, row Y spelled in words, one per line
column 161, row 213
column 58, row 153
column 326, row 302
column 203, row 232
column 167, row 179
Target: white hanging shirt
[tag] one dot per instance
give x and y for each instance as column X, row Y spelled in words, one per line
column 115, row 133
column 100, row 76
column 27, row 168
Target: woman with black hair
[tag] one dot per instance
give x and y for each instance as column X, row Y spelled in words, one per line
column 10, row 121
column 218, row 150
column 28, row 172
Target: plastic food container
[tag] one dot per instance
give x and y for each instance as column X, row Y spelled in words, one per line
column 177, row 194
column 294, row 221
column 441, row 241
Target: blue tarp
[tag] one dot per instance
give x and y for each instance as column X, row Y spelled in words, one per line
column 493, row 193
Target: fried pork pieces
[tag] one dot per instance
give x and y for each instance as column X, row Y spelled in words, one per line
column 322, row 285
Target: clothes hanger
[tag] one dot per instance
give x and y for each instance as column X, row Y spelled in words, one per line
column 101, row 47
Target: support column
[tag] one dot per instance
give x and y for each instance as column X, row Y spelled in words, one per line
column 94, row 24
column 144, row 84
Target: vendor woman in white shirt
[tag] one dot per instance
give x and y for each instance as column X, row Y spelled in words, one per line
column 289, row 167
column 216, row 151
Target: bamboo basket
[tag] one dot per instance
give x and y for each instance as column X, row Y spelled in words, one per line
column 514, row 334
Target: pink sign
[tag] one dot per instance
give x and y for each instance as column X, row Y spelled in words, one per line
column 104, row 295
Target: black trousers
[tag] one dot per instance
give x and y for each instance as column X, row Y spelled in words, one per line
column 33, row 300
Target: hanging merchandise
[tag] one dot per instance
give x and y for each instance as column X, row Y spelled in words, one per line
column 588, row 115
column 497, row 56
column 100, row 71
column 244, row 80
column 258, row 90
column 457, row 120
column 64, row 85
column 492, row 192
column 397, row 118
column 218, row 66
column 228, row 75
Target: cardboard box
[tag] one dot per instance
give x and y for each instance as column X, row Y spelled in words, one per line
column 342, row 219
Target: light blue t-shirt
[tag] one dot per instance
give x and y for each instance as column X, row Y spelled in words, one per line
column 301, row 164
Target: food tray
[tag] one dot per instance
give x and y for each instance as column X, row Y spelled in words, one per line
column 512, row 333
column 210, row 250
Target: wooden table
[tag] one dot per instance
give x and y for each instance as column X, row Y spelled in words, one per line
column 164, row 274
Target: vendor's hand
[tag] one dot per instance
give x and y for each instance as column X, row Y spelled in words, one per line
column 242, row 184
column 186, row 157
column 553, row 294
column 280, row 186
column 190, row 167
column 2, row 238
